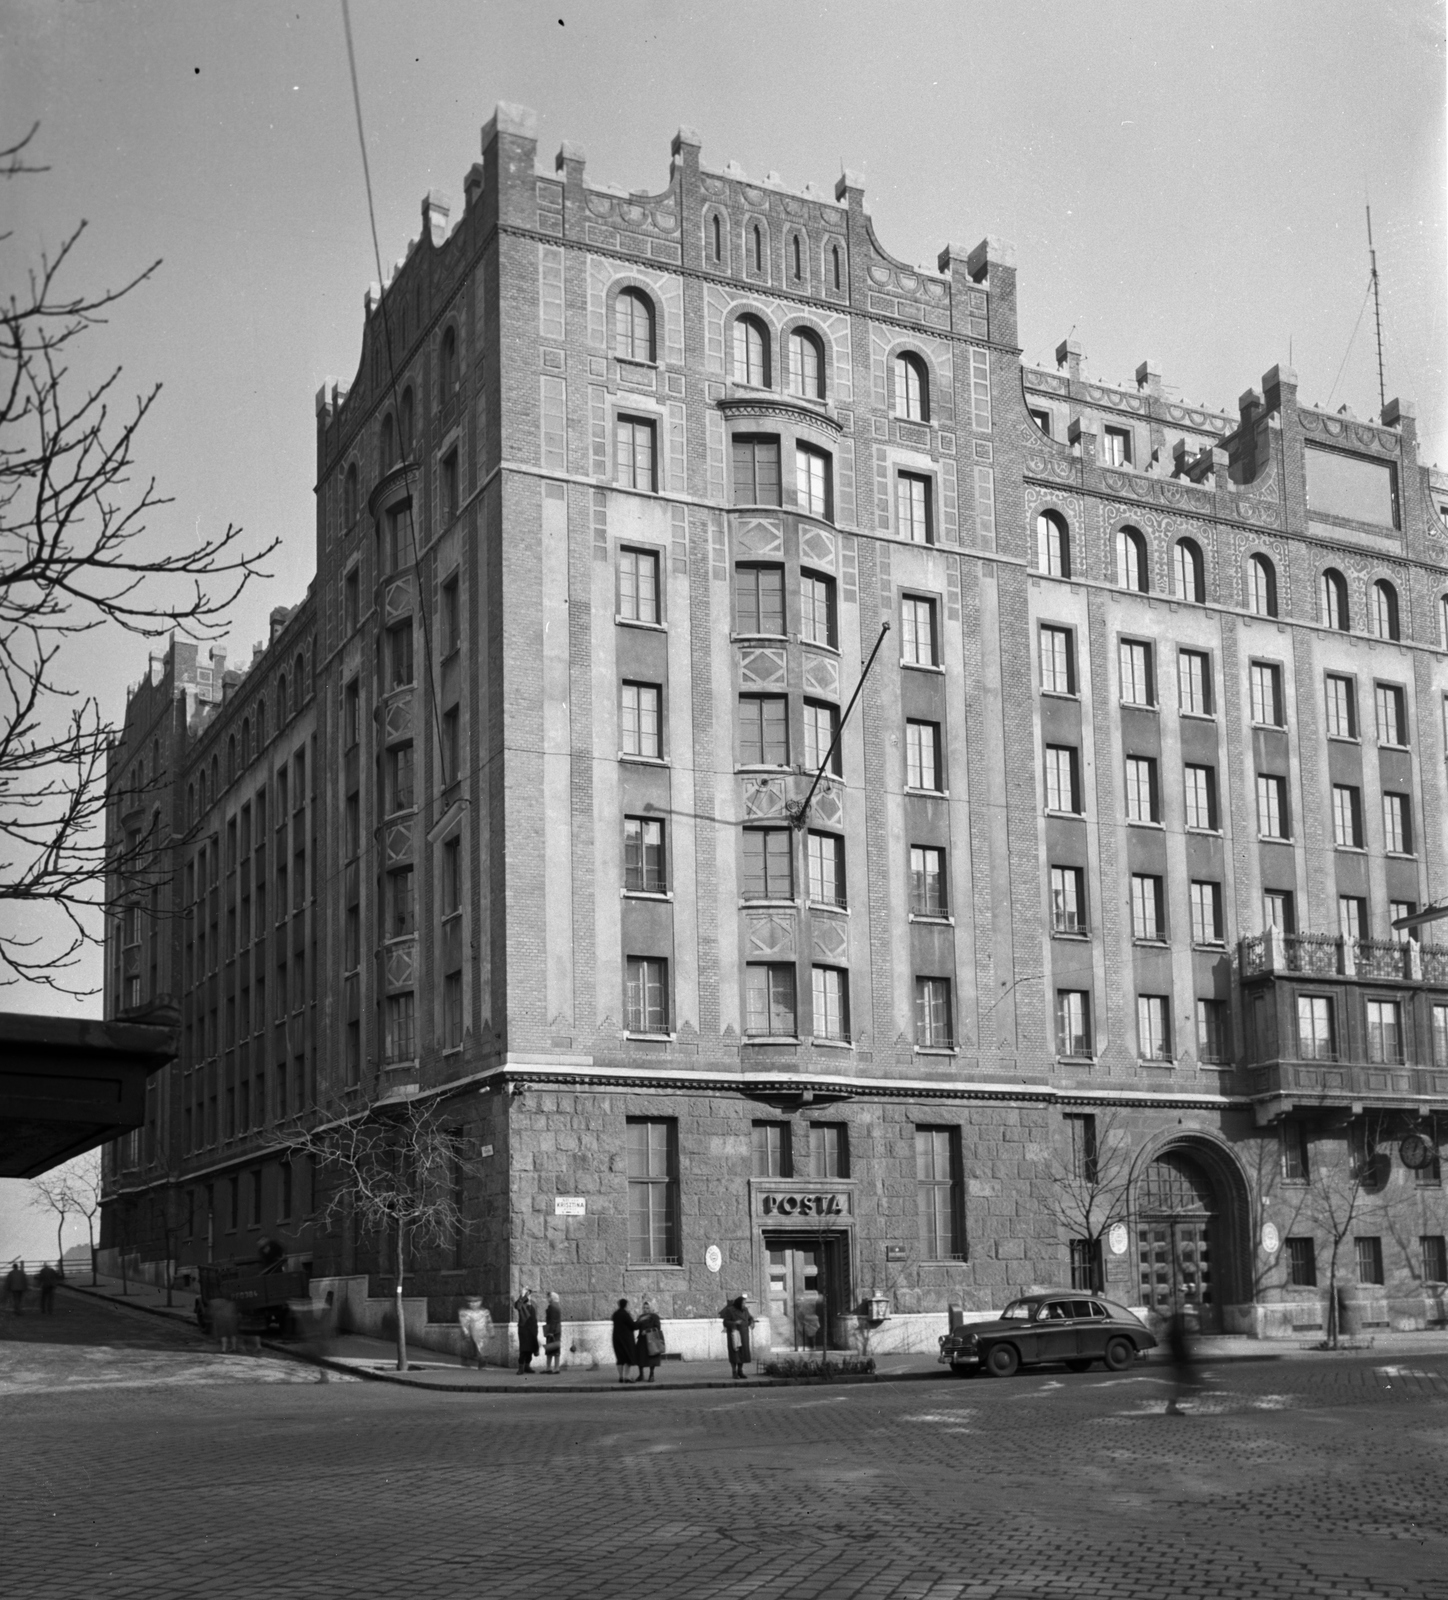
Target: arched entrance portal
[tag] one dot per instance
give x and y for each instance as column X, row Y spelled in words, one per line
column 1177, row 1215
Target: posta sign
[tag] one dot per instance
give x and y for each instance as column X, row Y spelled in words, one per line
column 803, row 1205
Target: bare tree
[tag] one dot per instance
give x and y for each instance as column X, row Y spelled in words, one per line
column 1336, row 1192
column 74, row 556
column 73, row 1190
column 396, row 1168
column 52, row 1193
column 1086, row 1187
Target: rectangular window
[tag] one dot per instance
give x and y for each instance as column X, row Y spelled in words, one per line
column 1352, row 916
column 912, row 508
column 769, row 998
column 1392, row 714
column 938, row 1190
column 634, row 453
column 1194, row 682
column 399, row 537
column 1206, row 912
column 1271, row 806
column 1142, row 800
column 1073, row 1023
column 553, row 424
column 1152, row 1030
column 829, row 1150
column 451, row 499
column 452, row 876
column 817, row 610
column 756, row 471
column 638, row 585
column 1212, row 1030
column 1435, row 1258
column 933, row 1029
column 1385, row 1031
column 1440, row 1036
column 351, row 718
column 350, row 609
column 1068, row 900
column 399, row 1030
column 1201, row 797
column 763, row 730
column 1279, row 910
column 646, row 995
column 452, row 1010
column 451, row 621
column 821, row 723
column 922, row 755
column 773, row 1154
column 1266, row 686
column 927, row 881
column 980, row 390
column 401, row 904
column 826, row 853
column 1397, row 824
column 653, row 1183
column 1063, row 780
column 917, row 632
column 1085, row 1152
column 1341, row 707
column 813, row 487
column 1347, row 815
column 1296, row 1162
column 1315, row 1034
column 1398, row 909
column 352, row 939
column 401, row 793
column 1147, row 920
column 1116, row 447
column 830, row 1000
column 768, row 863
column 759, row 599
column 639, row 721
column 1058, row 661
column 1138, row 687
column 1302, row 1263
column 1369, row 1258
column 643, row 855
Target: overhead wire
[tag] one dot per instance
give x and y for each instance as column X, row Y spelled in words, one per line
column 1351, row 337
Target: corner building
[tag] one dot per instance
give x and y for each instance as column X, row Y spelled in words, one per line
column 608, row 525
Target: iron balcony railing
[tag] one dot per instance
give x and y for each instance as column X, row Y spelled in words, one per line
column 1330, row 955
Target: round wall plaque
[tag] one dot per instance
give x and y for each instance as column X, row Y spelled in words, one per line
column 713, row 1258
column 1117, row 1239
column 1270, row 1238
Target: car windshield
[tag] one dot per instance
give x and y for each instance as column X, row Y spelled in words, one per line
column 1020, row 1311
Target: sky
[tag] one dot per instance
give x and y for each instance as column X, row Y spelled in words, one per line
column 1181, row 184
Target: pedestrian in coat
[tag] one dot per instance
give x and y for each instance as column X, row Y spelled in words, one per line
column 47, row 1278
column 552, row 1332
column 738, row 1320
column 625, row 1342
column 527, row 1330
column 16, row 1283
column 225, row 1323
column 649, row 1333
column 1179, row 1340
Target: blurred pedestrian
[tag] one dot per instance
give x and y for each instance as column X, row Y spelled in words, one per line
column 737, row 1322
column 552, row 1333
column 16, row 1283
column 649, row 1334
column 625, row 1342
column 527, row 1330
column 47, row 1278
column 225, row 1323
column 1180, row 1333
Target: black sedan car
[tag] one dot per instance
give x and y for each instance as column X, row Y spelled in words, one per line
column 1063, row 1325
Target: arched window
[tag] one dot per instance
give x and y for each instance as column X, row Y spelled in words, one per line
column 798, row 258
column 281, row 699
column 1189, row 578
column 260, row 725
column 1053, row 544
column 1385, row 609
column 1262, row 587
column 215, row 778
column 806, row 365
column 835, row 254
column 246, row 742
column 1443, row 615
column 231, row 759
column 349, row 495
column 758, row 248
column 1131, row 560
column 202, row 791
column 912, row 388
column 633, row 326
column 191, row 804
column 386, row 450
column 299, row 679
column 405, row 431
column 1332, row 599
column 718, row 238
column 448, row 362
column 751, row 352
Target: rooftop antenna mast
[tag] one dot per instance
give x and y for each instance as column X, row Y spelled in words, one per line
column 1377, row 313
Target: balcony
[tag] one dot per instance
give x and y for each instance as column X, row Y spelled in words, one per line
column 1294, row 1085
column 1330, row 955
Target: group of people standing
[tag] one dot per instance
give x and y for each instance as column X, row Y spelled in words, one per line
column 16, row 1283
column 528, row 1345
column 638, row 1341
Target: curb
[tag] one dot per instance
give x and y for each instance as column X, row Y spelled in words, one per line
column 373, row 1375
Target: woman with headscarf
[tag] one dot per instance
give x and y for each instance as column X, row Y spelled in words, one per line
column 649, row 1334
column 737, row 1323
column 625, row 1342
column 552, row 1332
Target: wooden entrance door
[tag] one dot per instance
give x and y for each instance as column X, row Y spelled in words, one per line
column 797, row 1296
column 1174, row 1239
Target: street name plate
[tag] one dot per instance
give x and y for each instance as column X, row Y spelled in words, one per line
column 569, row 1205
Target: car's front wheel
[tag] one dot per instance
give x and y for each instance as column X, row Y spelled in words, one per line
column 1002, row 1360
column 1120, row 1353
column 1080, row 1364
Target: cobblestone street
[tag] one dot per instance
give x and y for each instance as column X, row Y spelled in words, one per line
column 178, row 1471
